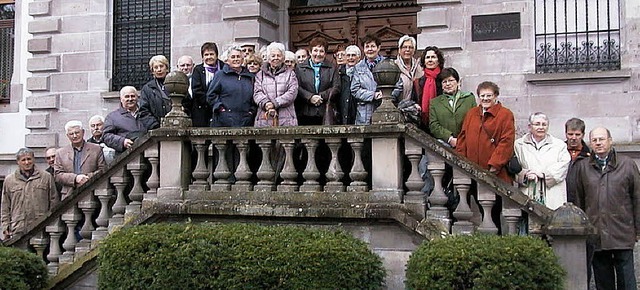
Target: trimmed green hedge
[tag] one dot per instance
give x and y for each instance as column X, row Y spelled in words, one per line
column 484, row 262
column 236, row 256
column 21, row 270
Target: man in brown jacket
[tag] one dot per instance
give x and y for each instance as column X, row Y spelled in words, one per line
column 607, row 187
column 78, row 161
column 27, row 194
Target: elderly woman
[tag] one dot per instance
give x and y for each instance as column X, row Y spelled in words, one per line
column 202, row 75
column 340, row 55
column 426, row 87
column 290, row 59
column 410, row 68
column 363, row 85
column 275, row 90
column 253, row 63
column 488, row 133
column 347, row 103
column 230, row 93
column 154, row 98
column 545, row 161
column 447, row 111
column 318, row 81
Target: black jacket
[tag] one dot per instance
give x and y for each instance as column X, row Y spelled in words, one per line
column 200, row 110
column 154, row 101
column 346, row 104
column 329, row 86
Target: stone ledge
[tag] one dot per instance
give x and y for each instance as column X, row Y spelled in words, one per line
column 43, row 102
column 43, row 64
column 578, row 78
column 112, row 95
column 37, row 121
column 40, row 8
column 40, row 140
column 39, row 45
column 45, row 26
column 38, row 83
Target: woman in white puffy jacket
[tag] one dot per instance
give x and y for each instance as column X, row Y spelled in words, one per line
column 545, row 161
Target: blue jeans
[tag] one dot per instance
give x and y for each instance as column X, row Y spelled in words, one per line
column 611, row 267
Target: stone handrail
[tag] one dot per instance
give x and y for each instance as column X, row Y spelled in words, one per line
column 231, row 177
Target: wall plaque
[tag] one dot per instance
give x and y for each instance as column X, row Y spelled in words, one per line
column 495, row 26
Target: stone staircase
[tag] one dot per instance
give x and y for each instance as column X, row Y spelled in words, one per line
column 363, row 179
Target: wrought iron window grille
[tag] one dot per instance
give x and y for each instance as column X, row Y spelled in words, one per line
column 577, row 35
column 7, row 36
column 141, row 29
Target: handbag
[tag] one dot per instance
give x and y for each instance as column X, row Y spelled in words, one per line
column 513, row 166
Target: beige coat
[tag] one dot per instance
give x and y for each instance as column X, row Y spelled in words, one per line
column 408, row 75
column 92, row 161
column 25, row 200
column 552, row 158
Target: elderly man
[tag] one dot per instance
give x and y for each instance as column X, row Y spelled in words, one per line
column 248, row 49
column 78, row 161
column 96, row 125
column 50, row 157
column 578, row 149
column 607, row 187
column 124, row 125
column 302, row 55
column 27, row 194
column 185, row 65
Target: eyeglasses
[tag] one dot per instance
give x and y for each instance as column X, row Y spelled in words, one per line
column 50, row 157
column 185, row 64
column 487, row 96
column 252, row 63
column 449, row 81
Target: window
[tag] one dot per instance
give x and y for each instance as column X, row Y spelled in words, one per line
column 141, row 29
column 7, row 19
column 577, row 35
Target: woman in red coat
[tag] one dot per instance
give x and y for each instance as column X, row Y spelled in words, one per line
column 488, row 132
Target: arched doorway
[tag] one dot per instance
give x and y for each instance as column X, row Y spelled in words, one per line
column 347, row 21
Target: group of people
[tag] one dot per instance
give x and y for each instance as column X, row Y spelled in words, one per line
column 236, row 89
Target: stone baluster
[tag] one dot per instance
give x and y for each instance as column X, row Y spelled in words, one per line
column 334, row 172
column 265, row 173
column 438, row 199
column 487, row 199
column 243, row 172
column 104, row 193
column 71, row 218
column 222, row 172
column 201, row 173
column 512, row 214
column 137, row 167
column 311, row 173
column 152, row 154
column 211, row 160
column 55, row 230
column 414, row 199
column 39, row 242
column 88, row 206
column 358, row 175
column 289, row 173
column 119, row 181
column 463, row 213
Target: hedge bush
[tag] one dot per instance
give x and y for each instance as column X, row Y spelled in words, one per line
column 484, row 262
column 21, row 270
column 236, row 256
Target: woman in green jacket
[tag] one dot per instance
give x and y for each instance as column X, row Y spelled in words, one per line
column 447, row 111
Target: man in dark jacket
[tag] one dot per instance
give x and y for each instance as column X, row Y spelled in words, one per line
column 607, row 187
column 124, row 125
column 578, row 149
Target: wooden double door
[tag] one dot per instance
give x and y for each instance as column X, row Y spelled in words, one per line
column 348, row 21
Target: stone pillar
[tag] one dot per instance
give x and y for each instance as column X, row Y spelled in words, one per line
column 175, row 164
column 569, row 228
column 386, row 164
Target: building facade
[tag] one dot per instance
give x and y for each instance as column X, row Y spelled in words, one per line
column 65, row 60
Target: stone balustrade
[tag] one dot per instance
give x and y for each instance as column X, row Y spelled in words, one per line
column 285, row 172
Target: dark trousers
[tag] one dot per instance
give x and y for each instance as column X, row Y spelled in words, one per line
column 611, row 267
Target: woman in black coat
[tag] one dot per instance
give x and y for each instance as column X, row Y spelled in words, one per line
column 318, row 82
column 202, row 75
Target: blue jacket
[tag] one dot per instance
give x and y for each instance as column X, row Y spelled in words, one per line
column 230, row 95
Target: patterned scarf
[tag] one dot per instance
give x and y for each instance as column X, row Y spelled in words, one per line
column 428, row 92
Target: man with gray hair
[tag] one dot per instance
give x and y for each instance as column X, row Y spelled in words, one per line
column 96, row 124
column 124, row 125
column 27, row 194
column 607, row 187
column 78, row 161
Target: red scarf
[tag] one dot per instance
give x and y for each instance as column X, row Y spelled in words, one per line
column 428, row 92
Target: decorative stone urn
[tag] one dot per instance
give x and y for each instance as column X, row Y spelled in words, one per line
column 386, row 74
column 177, row 83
